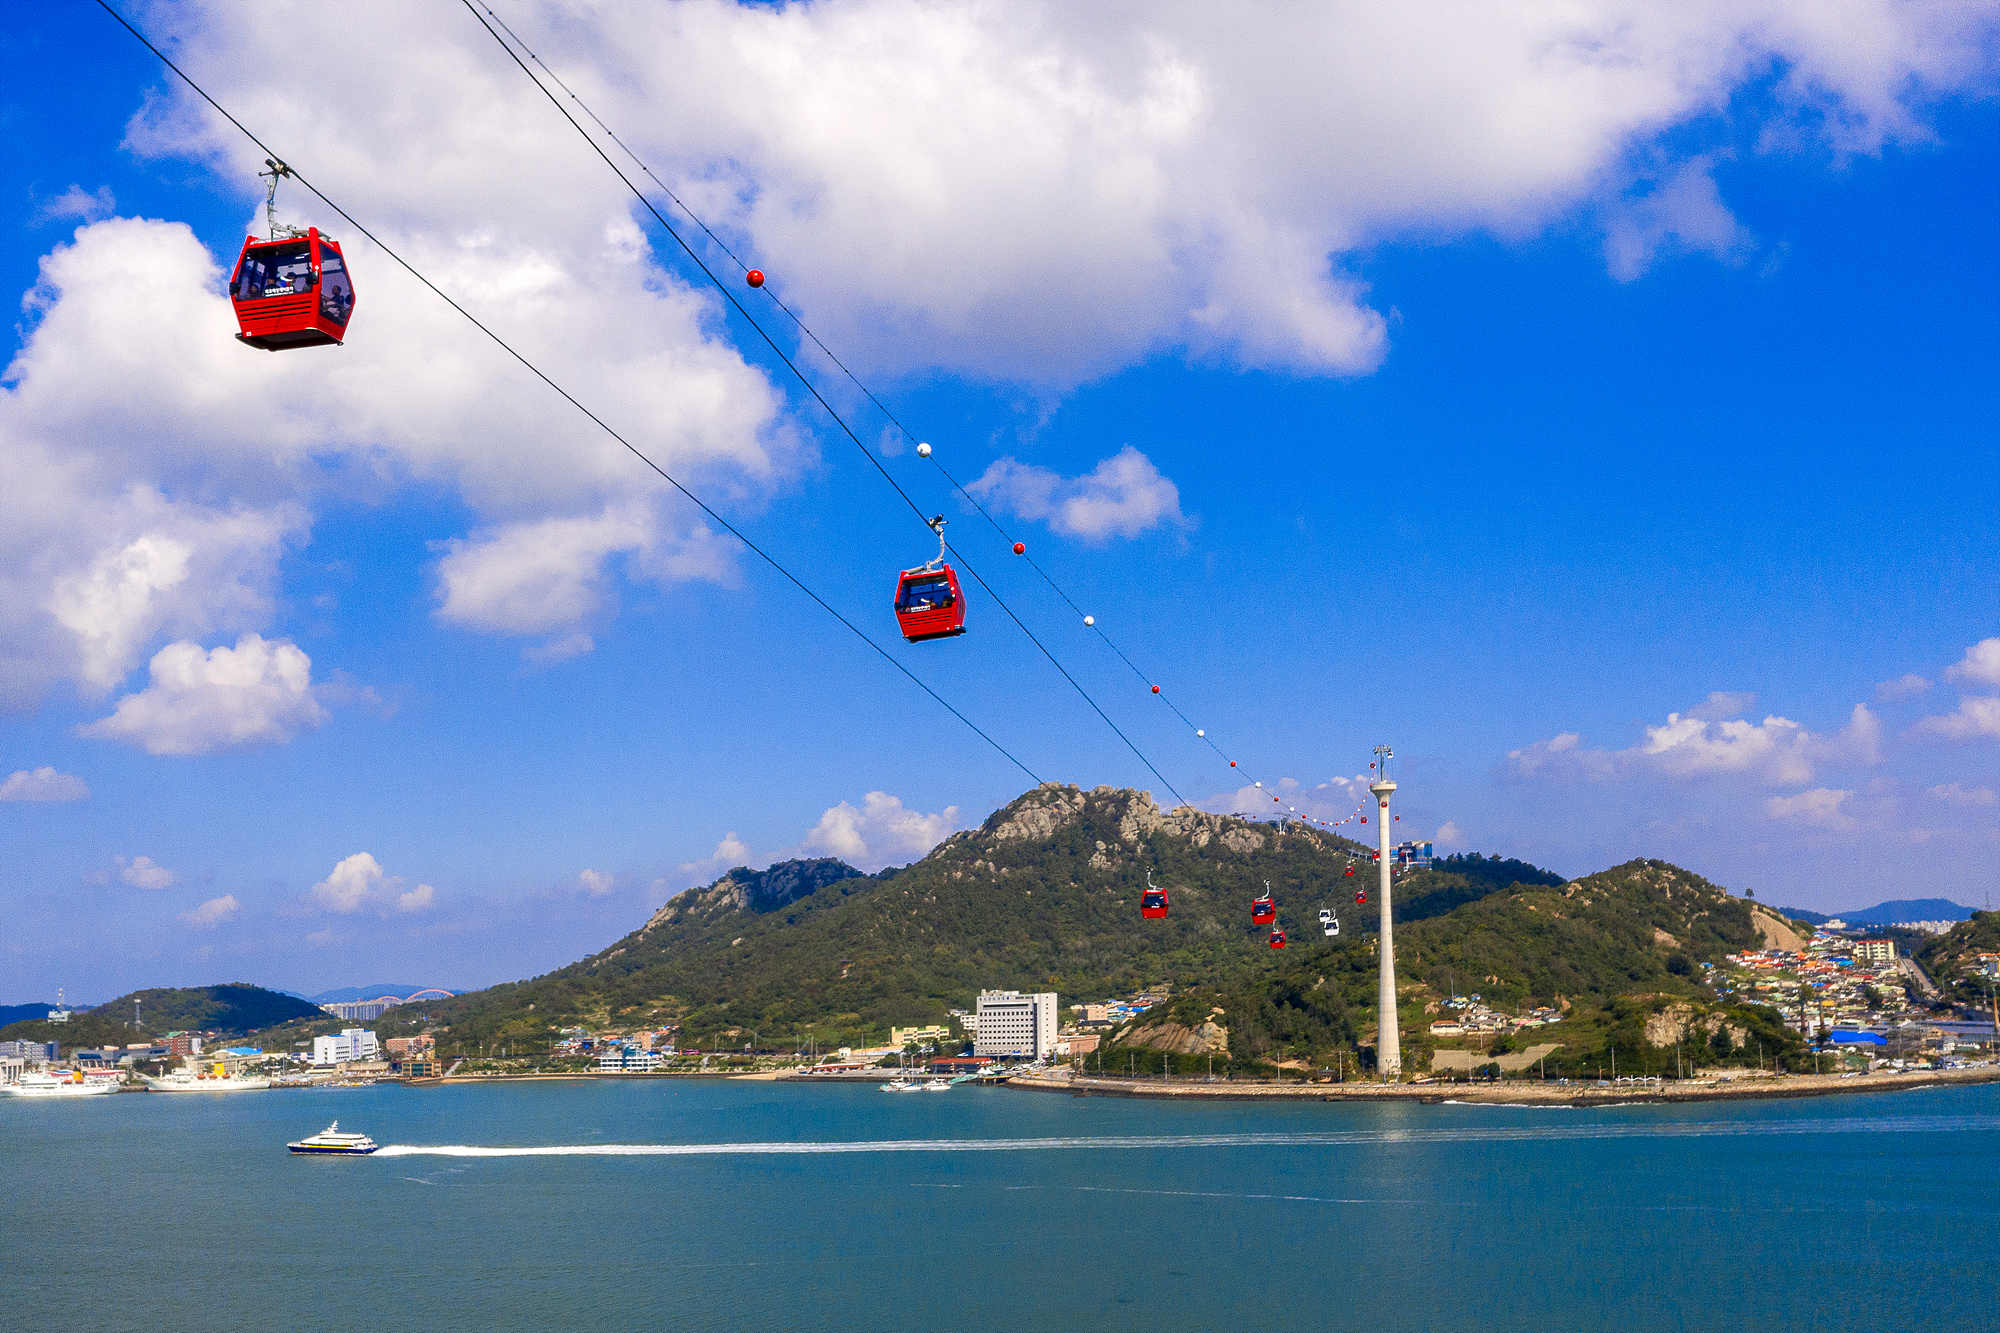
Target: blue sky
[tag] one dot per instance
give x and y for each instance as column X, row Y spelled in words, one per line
column 1602, row 429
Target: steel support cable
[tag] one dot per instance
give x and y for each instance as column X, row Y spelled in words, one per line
column 866, row 392
column 811, row 388
column 537, row 372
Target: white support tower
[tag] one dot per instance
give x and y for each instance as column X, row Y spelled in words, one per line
column 1388, row 1040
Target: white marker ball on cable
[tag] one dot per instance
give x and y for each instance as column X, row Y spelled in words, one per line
column 1256, row 784
column 1199, row 732
column 1090, row 620
column 923, row 451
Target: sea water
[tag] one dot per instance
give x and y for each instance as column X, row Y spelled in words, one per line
column 677, row 1204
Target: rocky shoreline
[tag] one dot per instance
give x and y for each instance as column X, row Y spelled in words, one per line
column 1748, row 1087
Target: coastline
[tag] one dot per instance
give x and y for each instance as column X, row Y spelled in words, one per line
column 1522, row 1093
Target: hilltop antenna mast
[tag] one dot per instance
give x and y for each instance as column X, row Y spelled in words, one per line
column 1388, row 1041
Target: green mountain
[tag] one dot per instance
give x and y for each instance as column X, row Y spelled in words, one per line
column 83, row 1029
column 1044, row 894
column 1618, row 951
column 235, row 1008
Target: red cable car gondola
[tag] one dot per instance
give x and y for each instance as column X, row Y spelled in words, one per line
column 1277, row 939
column 1154, row 903
column 1262, row 910
column 292, row 290
column 1361, row 895
column 929, row 604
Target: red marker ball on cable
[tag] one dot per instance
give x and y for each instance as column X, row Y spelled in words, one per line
column 1156, row 689
column 755, row 277
column 1020, row 548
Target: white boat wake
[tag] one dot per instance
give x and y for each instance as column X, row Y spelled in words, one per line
column 1492, row 1134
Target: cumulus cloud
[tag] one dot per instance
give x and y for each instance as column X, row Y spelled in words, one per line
column 1777, row 750
column 1122, row 496
column 593, row 883
column 1028, row 193
column 255, row 693
column 1681, row 213
column 143, row 872
column 1820, row 807
column 1449, row 835
column 213, row 912
column 1903, row 687
column 729, row 853
column 1952, row 793
column 1722, row 704
column 1979, row 666
column 42, row 785
column 358, row 883
column 881, row 832
column 1977, row 715
column 76, row 203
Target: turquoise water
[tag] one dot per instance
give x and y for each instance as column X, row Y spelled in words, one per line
column 1865, row 1212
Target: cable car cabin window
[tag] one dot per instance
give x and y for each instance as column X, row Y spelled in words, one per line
column 336, row 293
column 924, row 595
column 276, row 270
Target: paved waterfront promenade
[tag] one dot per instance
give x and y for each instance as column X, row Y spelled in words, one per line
column 1739, row 1087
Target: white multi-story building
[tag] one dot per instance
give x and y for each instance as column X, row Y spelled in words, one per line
column 1874, row 951
column 627, row 1059
column 1017, row 1025
column 351, row 1044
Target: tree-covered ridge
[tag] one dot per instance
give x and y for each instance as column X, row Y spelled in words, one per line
column 1499, row 871
column 1044, row 894
column 1615, row 950
column 235, row 1007
column 1952, row 959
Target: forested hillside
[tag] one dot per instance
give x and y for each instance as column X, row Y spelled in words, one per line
column 1043, row 895
column 1613, row 950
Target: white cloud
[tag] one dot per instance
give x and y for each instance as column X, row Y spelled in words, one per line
column 1122, row 496
column 881, row 832
column 358, row 883
column 1683, row 212
column 1977, row 715
column 255, row 693
column 1037, row 193
column 76, row 203
column 1449, row 835
column 1955, row 794
column 731, row 852
column 143, row 872
column 213, row 912
column 1722, row 704
column 1820, row 807
column 419, row 899
column 1776, row 750
column 1979, row 666
column 1903, row 687
column 43, row 784
column 593, row 883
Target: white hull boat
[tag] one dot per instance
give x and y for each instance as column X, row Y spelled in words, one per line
column 217, row 1079
column 38, row 1084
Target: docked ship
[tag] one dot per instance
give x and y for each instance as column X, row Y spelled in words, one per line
column 330, row 1142
column 217, row 1079
column 36, row 1083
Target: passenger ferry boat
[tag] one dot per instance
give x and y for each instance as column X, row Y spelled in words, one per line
column 36, row 1083
column 217, row 1079
column 330, row 1142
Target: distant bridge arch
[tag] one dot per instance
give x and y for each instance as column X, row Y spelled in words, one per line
column 428, row 995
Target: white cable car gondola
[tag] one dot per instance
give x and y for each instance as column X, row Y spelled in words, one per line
column 1329, row 924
